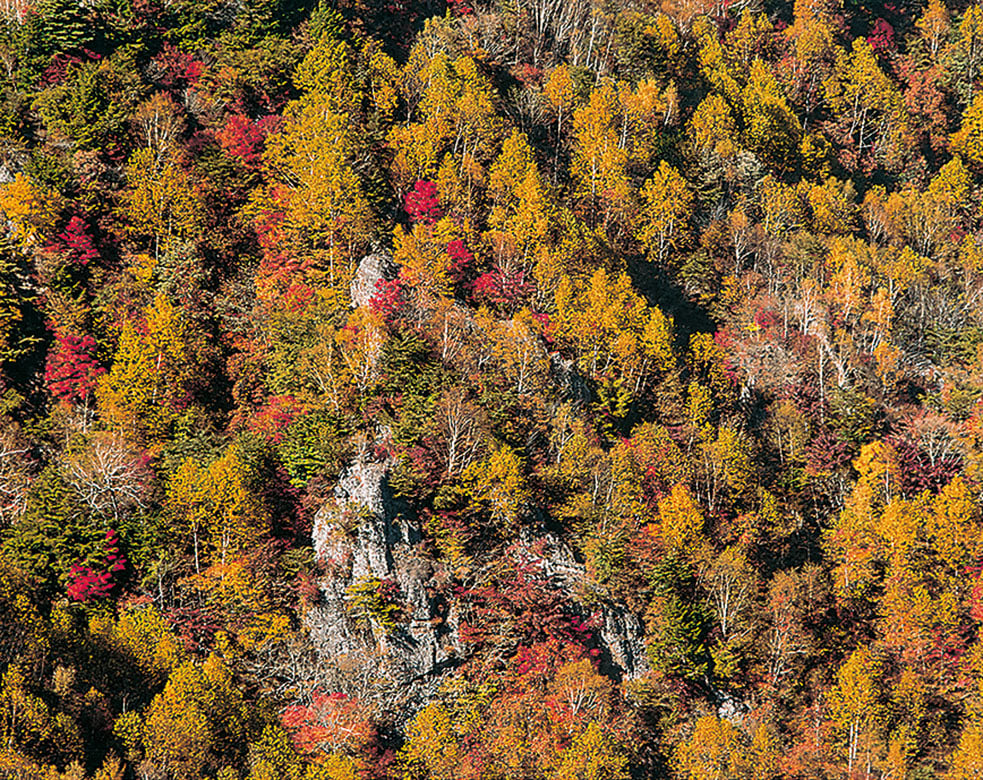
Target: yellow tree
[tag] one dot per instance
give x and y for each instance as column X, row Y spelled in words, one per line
column 949, row 193
column 906, row 604
column 781, row 207
column 326, row 217
column 968, row 141
column 519, row 352
column 714, row 64
column 383, row 78
column 681, row 523
column 603, row 320
column 853, row 542
column 199, row 717
column 646, row 110
column 712, row 128
column 431, row 750
column 519, row 221
column 422, row 254
column 856, row 709
column 593, row 755
column 933, row 26
column 833, row 206
column 142, row 635
column 763, row 758
column 955, row 530
column 216, row 502
column 599, row 163
column 454, row 113
column 29, row 208
column 360, row 346
column 498, row 484
column 153, row 368
column 725, row 467
column 771, row 129
column 560, row 98
column 968, row 49
column 713, row 751
column 746, row 39
column 813, row 36
column 327, row 70
column 162, row 205
column 967, row 760
column 667, row 200
column 558, row 91
column 849, row 262
column 868, row 104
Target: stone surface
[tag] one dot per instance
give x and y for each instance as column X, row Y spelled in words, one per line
column 366, row 533
column 363, row 534
column 371, row 270
column 620, row 630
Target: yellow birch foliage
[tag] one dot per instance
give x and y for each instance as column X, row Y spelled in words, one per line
column 967, row 760
column 968, row 140
column 833, row 206
column 933, row 26
column 520, row 216
column 593, row 755
column 714, row 66
column 200, row 714
column 30, row 208
column 422, row 254
column 431, row 750
column 142, row 634
column 360, row 345
column 712, row 752
column 328, row 220
column 855, row 707
column 712, row 128
column 217, row 506
column 667, row 200
column 152, row 369
column 498, row 484
column 955, row 529
column 609, row 327
column 455, row 114
column 162, row 205
column 599, row 162
column 681, row 523
column 771, row 129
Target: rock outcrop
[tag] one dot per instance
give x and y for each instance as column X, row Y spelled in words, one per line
column 372, row 269
column 569, row 378
column 366, row 534
column 621, row 632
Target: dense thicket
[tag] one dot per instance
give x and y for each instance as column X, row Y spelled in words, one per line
column 691, row 289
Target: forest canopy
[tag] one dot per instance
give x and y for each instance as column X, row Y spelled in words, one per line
column 499, row 390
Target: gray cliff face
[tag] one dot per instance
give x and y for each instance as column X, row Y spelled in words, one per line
column 622, row 633
column 366, row 534
column 372, row 269
column 569, row 378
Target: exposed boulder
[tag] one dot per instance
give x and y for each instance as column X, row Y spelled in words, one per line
column 372, row 269
column 366, row 534
column 623, row 635
column 620, row 631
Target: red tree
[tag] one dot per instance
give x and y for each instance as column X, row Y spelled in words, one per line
column 87, row 583
column 72, row 371
column 421, row 203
